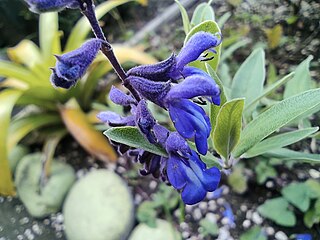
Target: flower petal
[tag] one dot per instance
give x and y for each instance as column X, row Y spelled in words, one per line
column 114, row 119
column 40, row 6
column 119, row 97
column 175, row 172
column 145, row 121
column 193, row 192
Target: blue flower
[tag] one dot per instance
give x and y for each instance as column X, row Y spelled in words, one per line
column 186, row 172
column 40, row 6
column 228, row 214
column 303, row 236
column 70, row 67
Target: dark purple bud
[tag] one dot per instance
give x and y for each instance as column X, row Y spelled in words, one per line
column 155, row 72
column 120, row 98
column 114, row 119
column 153, row 91
column 161, row 133
column 40, row 6
column 145, row 121
column 70, row 67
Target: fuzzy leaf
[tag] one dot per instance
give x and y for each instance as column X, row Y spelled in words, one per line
column 278, row 141
column 274, row 118
column 301, row 80
column 298, row 195
column 228, row 127
column 131, row 136
column 249, row 79
column 185, row 17
column 277, row 210
column 287, row 154
column 203, row 12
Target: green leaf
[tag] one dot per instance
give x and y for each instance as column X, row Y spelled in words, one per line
column 249, row 79
column 214, row 109
column 185, row 18
column 132, row 137
column 223, row 19
column 49, row 36
column 275, row 117
column 147, row 213
column 301, row 81
column 277, row 210
column 208, row 228
column 82, row 28
column 19, row 128
column 287, row 154
column 270, row 89
column 228, row 127
column 255, row 233
column 203, row 12
column 210, row 27
column 311, row 217
column 7, row 99
column 313, row 188
column 298, row 195
column 278, row 141
column 264, row 171
column 238, row 181
column 230, row 50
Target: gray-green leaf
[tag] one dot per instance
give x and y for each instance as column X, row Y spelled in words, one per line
column 228, row 127
column 274, row 118
column 132, row 137
column 298, row 195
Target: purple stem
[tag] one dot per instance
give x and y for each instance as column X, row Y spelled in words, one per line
column 87, row 9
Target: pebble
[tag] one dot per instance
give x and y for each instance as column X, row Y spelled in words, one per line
column 269, row 184
column 226, row 190
column 185, row 235
column 249, row 214
column 184, row 225
column 301, row 175
column 19, row 237
column 211, row 217
column 243, row 208
column 224, row 234
column 313, row 173
column 28, row 233
column 256, row 218
column 197, row 214
column 203, row 206
column 270, row 230
column 121, row 170
column 212, row 205
column 246, row 223
column 36, row 229
column 177, row 213
column 137, row 199
column 1, row 201
column 46, row 221
column 281, row 236
column 189, row 208
column 24, row 220
column 221, row 201
column 153, row 185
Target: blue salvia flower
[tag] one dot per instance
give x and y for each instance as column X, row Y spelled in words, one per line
column 228, row 214
column 186, row 172
column 40, row 6
column 71, row 66
column 303, row 236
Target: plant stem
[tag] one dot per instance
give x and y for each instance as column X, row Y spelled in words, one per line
column 87, row 9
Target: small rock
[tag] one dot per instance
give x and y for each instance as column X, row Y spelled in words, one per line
column 153, row 185
column 221, row 201
column 197, row 214
column 270, row 231
column 211, row 217
column 246, row 223
column 189, row 208
column 212, row 205
column 314, row 173
column 184, row 225
column 243, row 208
column 281, row 236
column 256, row 218
column 185, row 235
column 269, row 184
column 137, row 199
column 249, row 214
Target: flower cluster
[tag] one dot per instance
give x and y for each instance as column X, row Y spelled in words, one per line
column 40, row 6
column 170, row 84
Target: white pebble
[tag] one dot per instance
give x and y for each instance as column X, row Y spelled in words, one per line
column 314, row 173
column 249, row 214
column 197, row 214
column 137, row 199
column 270, row 231
column 184, row 225
column 246, row 223
column 220, row 201
column 226, row 190
column 189, row 208
column 281, row 236
column 36, row 229
column 256, row 218
column 185, row 235
column 203, row 206
column 224, row 234
column 211, row 217
column 243, row 208
column 269, row 184
column 212, row 205
column 153, row 185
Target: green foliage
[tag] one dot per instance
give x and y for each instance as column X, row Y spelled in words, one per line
column 237, row 180
column 264, row 171
column 208, row 228
column 131, row 136
column 277, row 210
column 203, row 12
column 254, row 233
column 298, row 195
column 228, row 127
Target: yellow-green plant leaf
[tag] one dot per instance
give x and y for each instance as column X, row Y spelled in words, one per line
column 14, row 83
column 274, row 36
column 228, row 127
column 49, row 36
column 301, row 80
column 203, row 12
column 278, row 141
column 249, row 79
column 210, row 27
column 86, row 135
column 185, row 17
column 7, row 101
column 21, row 127
column 287, row 154
column 82, row 28
column 275, row 117
column 131, row 137
column 13, row 70
column 26, row 52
